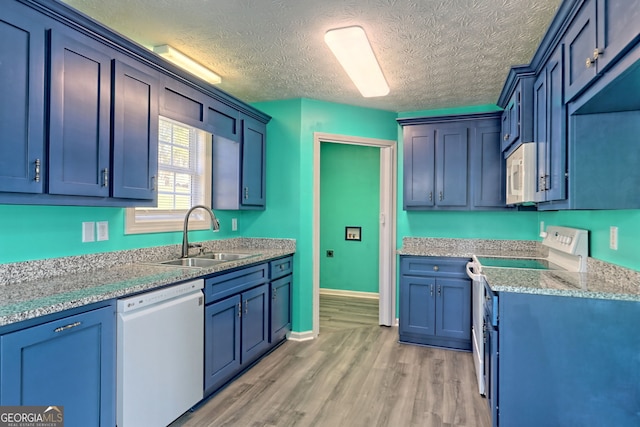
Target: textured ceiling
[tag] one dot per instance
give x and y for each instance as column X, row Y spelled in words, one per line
column 434, row 53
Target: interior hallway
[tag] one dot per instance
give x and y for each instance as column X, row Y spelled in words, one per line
column 354, row 374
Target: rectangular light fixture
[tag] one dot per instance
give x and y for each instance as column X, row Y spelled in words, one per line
column 351, row 47
column 183, row 61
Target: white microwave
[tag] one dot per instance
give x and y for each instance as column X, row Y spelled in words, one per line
column 521, row 175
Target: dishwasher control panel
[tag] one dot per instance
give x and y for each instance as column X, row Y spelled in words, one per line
column 153, row 297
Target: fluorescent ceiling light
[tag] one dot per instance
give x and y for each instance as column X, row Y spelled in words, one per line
column 188, row 64
column 351, row 46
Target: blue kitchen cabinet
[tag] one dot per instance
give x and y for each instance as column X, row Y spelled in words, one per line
column 79, row 122
column 517, row 117
column 239, row 162
column 222, row 342
column 565, row 361
column 22, row 71
column 436, row 172
column 237, row 315
column 598, row 35
column 135, row 133
column 488, row 168
column 68, row 362
column 280, row 287
column 453, row 163
column 435, row 302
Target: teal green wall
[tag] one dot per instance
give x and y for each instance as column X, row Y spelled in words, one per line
column 349, row 196
column 295, row 152
column 598, row 223
column 39, row 232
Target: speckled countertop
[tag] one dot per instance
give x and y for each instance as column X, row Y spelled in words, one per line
column 602, row 280
column 36, row 288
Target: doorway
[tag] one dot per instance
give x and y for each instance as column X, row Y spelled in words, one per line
column 387, row 220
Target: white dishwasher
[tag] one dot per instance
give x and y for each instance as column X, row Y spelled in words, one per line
column 160, row 348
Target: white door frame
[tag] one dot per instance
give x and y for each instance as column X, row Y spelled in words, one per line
column 388, row 177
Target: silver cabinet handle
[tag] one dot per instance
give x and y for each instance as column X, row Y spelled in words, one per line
column 153, row 183
column 105, row 177
column 37, row 171
column 430, row 196
column 69, row 326
column 246, row 192
column 439, row 290
column 246, row 306
column 240, row 309
column 431, row 289
column 596, row 54
column 441, row 196
column 506, row 137
column 273, row 297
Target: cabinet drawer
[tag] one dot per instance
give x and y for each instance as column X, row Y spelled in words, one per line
column 224, row 285
column 280, row 267
column 433, row 266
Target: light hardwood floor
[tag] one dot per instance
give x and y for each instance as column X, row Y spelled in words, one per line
column 354, row 374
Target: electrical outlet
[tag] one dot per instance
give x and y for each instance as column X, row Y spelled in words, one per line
column 234, row 224
column 103, row 230
column 613, row 238
column 88, row 232
column 330, row 253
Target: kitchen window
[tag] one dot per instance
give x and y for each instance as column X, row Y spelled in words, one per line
column 184, row 178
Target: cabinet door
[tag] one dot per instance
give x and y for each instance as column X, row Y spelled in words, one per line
column 417, row 305
column 453, row 308
column 618, row 27
column 222, row 343
column 579, row 44
column 79, row 117
column 22, row 50
column 135, row 133
column 451, row 167
column 280, row 308
column 255, row 323
column 253, row 163
column 540, row 136
column 69, row 362
column 419, row 166
column 489, row 182
column 556, row 179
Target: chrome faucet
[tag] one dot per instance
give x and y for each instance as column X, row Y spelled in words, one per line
column 215, row 225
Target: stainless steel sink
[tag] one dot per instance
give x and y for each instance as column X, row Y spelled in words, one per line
column 224, row 256
column 193, row 262
column 207, row 259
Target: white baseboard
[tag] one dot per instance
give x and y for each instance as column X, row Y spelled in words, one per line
column 352, row 294
column 301, row 336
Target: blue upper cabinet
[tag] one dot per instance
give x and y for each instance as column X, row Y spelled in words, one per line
column 601, row 31
column 79, row 124
column 239, row 161
column 253, row 163
column 135, row 133
column 550, row 130
column 517, row 101
column 22, row 56
column 453, row 163
column 452, row 154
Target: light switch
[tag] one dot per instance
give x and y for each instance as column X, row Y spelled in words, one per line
column 88, row 232
column 103, row 230
column 613, row 238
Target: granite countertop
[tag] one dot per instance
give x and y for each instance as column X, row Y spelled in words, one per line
column 602, row 281
column 32, row 292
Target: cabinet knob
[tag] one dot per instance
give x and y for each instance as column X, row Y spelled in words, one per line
column 592, row 61
column 436, row 268
column 506, row 137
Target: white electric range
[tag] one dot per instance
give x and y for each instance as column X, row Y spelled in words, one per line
column 568, row 249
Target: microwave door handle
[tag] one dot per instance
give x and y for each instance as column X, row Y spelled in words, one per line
column 512, row 171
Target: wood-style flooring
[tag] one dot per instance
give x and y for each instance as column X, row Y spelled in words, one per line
column 354, row 374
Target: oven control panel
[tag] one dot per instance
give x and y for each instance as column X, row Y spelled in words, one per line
column 573, row 241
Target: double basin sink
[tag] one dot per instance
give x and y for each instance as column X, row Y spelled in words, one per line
column 207, row 259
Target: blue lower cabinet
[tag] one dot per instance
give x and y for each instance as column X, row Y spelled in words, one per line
column 222, row 343
column 280, row 308
column 68, row 362
column 435, row 302
column 236, row 334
